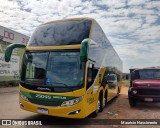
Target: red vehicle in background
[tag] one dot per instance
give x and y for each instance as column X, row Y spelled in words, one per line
column 144, row 85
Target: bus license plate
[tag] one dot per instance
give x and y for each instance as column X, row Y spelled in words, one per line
column 148, row 99
column 42, row 110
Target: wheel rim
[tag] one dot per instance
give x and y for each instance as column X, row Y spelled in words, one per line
column 104, row 101
column 98, row 106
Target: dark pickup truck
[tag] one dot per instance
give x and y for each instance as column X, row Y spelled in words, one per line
column 144, row 85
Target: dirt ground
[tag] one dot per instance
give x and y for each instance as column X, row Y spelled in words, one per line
column 119, row 108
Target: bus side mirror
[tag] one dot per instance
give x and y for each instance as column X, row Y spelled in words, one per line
column 84, row 50
column 9, row 49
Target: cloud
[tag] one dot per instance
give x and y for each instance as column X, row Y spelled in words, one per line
column 132, row 27
column 112, row 3
column 152, row 5
column 136, row 2
column 151, row 19
column 138, row 55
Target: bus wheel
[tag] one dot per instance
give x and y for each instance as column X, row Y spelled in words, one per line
column 132, row 102
column 101, row 105
column 104, row 102
column 105, row 98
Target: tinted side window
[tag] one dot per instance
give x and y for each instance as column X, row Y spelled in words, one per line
column 92, row 73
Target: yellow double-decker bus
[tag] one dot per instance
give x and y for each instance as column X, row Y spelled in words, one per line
column 69, row 69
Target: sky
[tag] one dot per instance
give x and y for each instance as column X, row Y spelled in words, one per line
column 132, row 26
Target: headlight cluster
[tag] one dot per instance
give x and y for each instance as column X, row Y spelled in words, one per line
column 23, row 96
column 72, row 102
column 134, row 91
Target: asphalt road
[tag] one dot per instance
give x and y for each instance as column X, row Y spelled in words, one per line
column 116, row 109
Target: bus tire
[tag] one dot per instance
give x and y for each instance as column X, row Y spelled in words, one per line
column 106, row 95
column 101, row 100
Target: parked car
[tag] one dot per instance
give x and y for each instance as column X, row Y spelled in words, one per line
column 144, row 85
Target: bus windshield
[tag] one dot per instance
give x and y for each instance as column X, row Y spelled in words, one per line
column 53, row 69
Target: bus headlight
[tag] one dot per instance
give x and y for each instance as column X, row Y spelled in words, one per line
column 72, row 102
column 23, row 96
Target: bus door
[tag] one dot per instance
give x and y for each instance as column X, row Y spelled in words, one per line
column 91, row 92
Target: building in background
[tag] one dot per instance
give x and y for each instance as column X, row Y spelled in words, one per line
column 10, row 71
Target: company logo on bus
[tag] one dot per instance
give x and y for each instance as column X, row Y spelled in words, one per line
column 43, row 89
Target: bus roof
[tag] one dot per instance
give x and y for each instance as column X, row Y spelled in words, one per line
column 70, row 19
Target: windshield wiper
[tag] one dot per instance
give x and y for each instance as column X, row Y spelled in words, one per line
column 65, row 85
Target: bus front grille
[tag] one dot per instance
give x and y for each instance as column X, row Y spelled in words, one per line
column 148, row 92
column 46, row 103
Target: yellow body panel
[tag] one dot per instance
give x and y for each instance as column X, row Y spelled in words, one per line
column 53, row 47
column 59, row 111
column 75, row 93
column 90, row 96
column 56, row 111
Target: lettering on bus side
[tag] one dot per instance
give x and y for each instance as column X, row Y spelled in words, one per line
column 41, row 96
column 59, row 97
column 51, row 97
column 90, row 100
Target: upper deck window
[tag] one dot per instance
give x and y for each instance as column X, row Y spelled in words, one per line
column 61, row 33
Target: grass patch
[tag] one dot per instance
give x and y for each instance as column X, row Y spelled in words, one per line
column 126, row 83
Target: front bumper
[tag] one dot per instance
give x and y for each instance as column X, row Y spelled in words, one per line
column 59, row 111
column 152, row 95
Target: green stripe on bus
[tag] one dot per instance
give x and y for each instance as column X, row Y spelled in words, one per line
column 46, row 97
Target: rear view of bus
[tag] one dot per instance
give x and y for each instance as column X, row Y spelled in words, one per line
column 65, row 69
